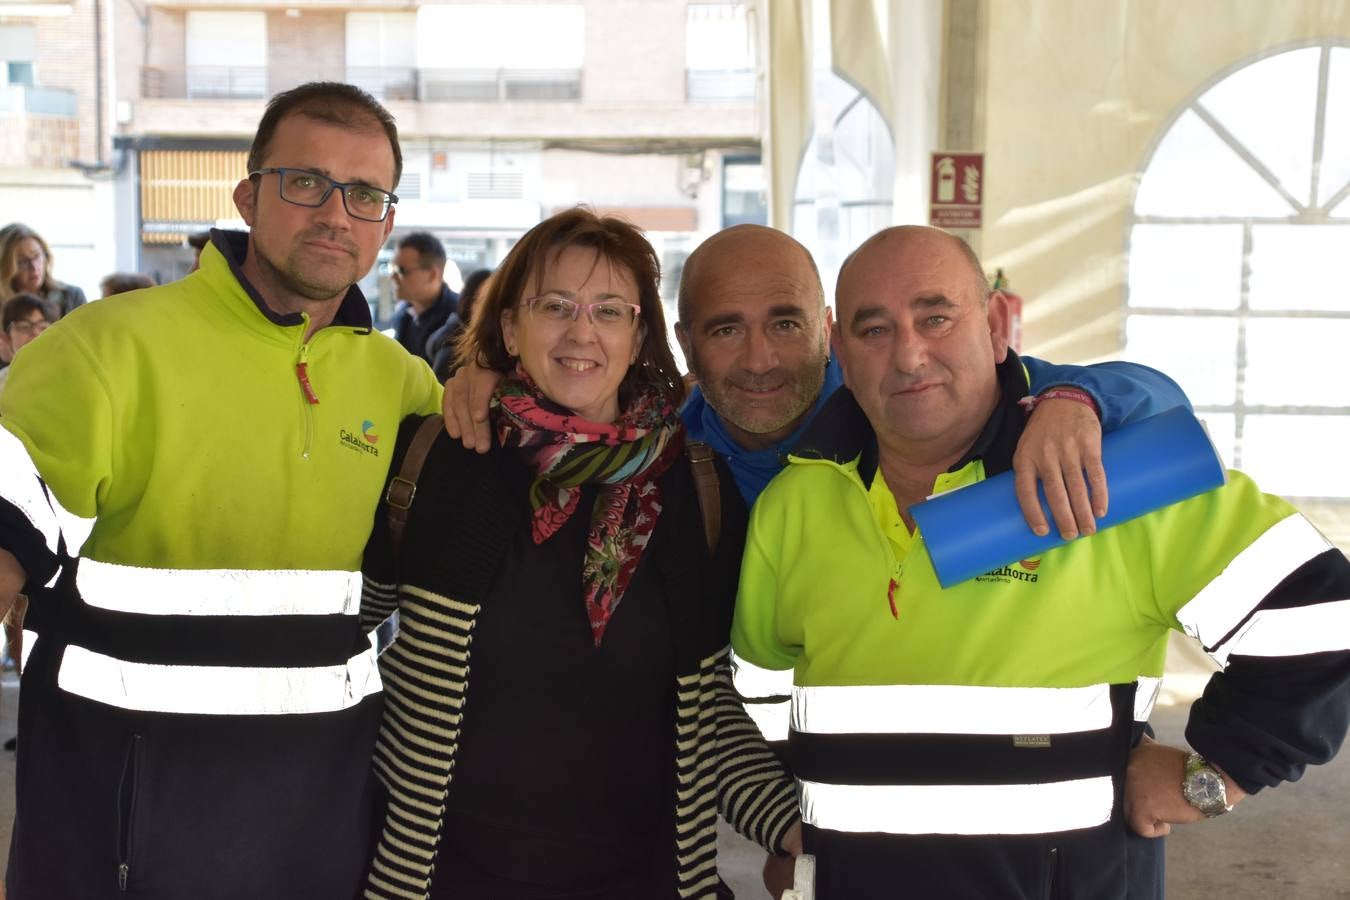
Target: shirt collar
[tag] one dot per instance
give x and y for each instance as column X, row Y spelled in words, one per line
column 998, row 439
column 352, row 312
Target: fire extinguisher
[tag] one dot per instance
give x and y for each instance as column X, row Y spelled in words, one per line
column 1014, row 311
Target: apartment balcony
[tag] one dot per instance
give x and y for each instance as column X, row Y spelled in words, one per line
column 469, row 104
column 38, row 126
column 498, row 85
column 385, row 83
column 719, row 85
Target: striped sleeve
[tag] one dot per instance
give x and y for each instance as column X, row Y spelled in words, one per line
column 755, row 794
column 1274, row 613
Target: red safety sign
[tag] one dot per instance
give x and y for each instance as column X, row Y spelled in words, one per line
column 956, row 199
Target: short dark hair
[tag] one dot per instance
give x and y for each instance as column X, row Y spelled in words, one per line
column 468, row 295
column 430, row 250
column 23, row 305
column 122, row 282
column 617, row 242
column 325, row 101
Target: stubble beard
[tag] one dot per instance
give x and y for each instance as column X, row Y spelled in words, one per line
column 805, row 386
column 309, row 279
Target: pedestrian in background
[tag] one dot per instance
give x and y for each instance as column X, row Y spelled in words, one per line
column 443, row 342
column 26, row 266
column 123, row 282
column 419, row 277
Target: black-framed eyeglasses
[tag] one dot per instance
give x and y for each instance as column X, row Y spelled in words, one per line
column 305, row 188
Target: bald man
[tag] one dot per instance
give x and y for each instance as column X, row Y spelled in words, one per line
column 973, row 741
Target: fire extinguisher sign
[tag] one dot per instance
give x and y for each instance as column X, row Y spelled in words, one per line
column 957, row 196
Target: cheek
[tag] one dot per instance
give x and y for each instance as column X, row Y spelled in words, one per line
column 713, row 361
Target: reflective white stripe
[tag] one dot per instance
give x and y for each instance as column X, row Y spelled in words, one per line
column 1291, row 632
column 1250, row 576
column 218, row 592
column 218, row 690
column 1145, row 696
column 753, row 682
column 950, row 709
column 21, row 486
column 957, row 809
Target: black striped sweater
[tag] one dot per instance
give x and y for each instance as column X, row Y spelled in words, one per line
column 465, row 509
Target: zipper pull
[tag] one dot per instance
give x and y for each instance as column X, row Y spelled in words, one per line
column 895, row 586
column 123, row 870
column 302, row 373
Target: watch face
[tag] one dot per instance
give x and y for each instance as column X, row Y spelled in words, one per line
column 1207, row 789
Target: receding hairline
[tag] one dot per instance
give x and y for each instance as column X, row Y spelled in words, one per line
column 689, row 277
column 912, row 232
column 331, row 103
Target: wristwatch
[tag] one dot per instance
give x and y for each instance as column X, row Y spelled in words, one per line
column 1203, row 787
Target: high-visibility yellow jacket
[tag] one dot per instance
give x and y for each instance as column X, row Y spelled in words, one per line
column 972, row 741
column 189, row 484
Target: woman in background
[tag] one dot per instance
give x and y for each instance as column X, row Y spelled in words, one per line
column 560, row 720
column 26, row 267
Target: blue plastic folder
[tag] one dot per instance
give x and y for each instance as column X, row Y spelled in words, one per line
column 1149, row 464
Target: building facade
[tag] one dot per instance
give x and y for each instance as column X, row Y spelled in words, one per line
column 507, row 112
column 57, row 168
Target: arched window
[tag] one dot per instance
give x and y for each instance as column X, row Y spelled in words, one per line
column 1239, row 266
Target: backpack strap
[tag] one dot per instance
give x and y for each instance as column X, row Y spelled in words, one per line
column 708, row 487
column 403, row 486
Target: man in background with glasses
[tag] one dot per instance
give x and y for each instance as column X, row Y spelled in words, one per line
column 187, row 481
column 419, row 277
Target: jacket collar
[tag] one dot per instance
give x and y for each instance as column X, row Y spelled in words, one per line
column 353, row 312
column 842, row 434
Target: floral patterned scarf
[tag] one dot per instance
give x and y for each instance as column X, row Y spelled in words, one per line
column 567, row 451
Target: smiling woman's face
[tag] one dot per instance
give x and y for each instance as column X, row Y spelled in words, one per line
column 577, row 363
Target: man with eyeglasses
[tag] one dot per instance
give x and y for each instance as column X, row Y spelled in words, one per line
column 419, row 276
column 187, row 481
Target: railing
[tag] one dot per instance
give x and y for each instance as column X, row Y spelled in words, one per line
column 719, row 85
column 498, row 85
column 209, row 82
column 385, row 83
column 42, row 101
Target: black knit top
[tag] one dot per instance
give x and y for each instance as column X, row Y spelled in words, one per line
column 468, row 526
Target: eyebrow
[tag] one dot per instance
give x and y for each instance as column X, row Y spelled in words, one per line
column 936, row 301
column 316, row 170
column 571, row 295
column 712, row 323
column 870, row 312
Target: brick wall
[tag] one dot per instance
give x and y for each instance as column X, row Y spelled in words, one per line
column 308, row 47
column 66, row 59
